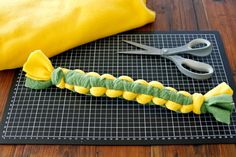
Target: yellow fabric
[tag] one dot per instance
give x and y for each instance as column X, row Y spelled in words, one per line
column 173, row 105
column 186, row 108
column 222, row 88
column 141, row 81
column 156, row 84
column 38, row 66
column 93, row 74
column 126, row 94
column 68, row 86
column 111, row 92
column 156, row 100
column 80, row 71
column 171, row 88
column 126, row 78
column 108, row 76
column 143, row 98
column 198, row 100
column 79, row 89
column 83, row 90
column 61, row 85
column 185, row 93
column 129, row 95
column 170, row 104
column 159, row 101
column 65, row 70
column 58, row 25
column 96, row 91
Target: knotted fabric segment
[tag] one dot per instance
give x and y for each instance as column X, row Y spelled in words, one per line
column 74, row 78
column 220, row 106
column 40, row 74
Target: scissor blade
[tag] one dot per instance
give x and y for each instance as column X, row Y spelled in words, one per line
column 150, row 48
column 139, row 53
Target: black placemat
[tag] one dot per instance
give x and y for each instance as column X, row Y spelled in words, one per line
column 55, row 116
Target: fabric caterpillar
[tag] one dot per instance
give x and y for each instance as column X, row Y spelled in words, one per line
column 40, row 74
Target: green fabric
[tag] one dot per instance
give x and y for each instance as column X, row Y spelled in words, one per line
column 220, row 106
column 108, row 83
column 75, row 78
column 56, row 76
column 71, row 76
column 138, row 88
column 30, row 83
column 118, row 84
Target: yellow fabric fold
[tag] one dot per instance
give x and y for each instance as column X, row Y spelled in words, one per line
column 56, row 26
column 198, row 100
column 38, row 66
column 222, row 88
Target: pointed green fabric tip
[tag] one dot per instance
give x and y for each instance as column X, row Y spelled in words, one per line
column 35, row 84
column 220, row 106
column 220, row 115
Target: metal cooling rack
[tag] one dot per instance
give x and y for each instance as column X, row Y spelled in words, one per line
column 55, row 116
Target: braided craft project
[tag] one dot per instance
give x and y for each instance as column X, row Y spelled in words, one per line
column 40, row 74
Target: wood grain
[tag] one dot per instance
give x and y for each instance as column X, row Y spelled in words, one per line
column 221, row 16
column 171, row 15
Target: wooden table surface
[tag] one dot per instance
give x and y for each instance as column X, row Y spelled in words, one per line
column 171, row 15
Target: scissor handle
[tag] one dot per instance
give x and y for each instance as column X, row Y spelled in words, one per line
column 192, row 64
column 190, row 48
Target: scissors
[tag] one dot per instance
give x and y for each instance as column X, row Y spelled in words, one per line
column 201, row 70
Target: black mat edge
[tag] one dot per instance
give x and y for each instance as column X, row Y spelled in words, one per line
column 223, row 140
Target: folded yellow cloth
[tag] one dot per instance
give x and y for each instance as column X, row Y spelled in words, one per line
column 55, row 26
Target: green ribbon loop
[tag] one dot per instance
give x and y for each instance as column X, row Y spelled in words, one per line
column 220, row 107
column 57, row 75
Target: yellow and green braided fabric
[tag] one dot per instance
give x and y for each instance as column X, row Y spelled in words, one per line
column 40, row 74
